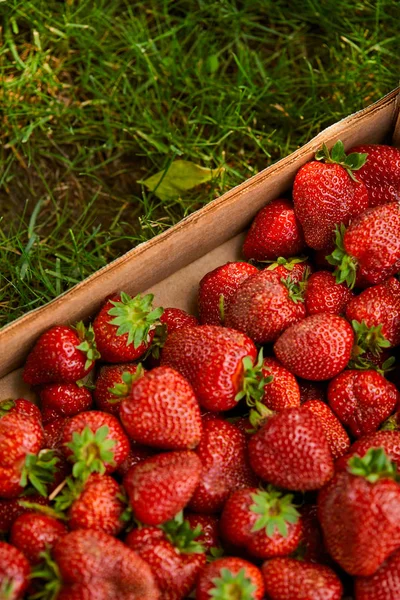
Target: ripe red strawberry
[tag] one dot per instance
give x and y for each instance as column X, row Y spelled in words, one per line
column 381, row 173
column 378, row 307
column 21, row 407
column 92, row 565
column 125, row 327
column 231, row 575
column 291, row 579
column 61, row 355
column 63, row 400
column 223, row 454
column 328, row 193
column 298, row 269
column 96, row 503
column 291, row 451
column 217, row 288
column 388, row 440
column 317, row 348
column 137, row 453
column 207, row 527
column 161, row 410
column 53, row 432
column 265, row 523
column 324, row 295
column 362, row 400
column 95, row 443
column 114, row 383
column 14, row 573
column 283, row 391
column 274, row 232
column 384, row 584
column 211, row 359
column 338, row 440
column 312, row 547
column 162, row 485
column 358, row 511
column 176, row 318
column 311, row 390
column 32, row 533
column 263, row 310
column 370, row 247
column 174, row 555
column 11, row 508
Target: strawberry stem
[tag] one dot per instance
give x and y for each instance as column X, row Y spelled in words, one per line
column 296, row 289
column 136, row 317
column 346, row 265
column 373, row 466
column 88, row 343
column 276, row 509
column 221, row 306
column 337, row 155
column 182, row 536
column 232, row 587
column 123, row 389
column 368, row 339
column 39, row 470
column 91, row 451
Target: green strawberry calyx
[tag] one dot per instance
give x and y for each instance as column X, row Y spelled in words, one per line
column 91, row 452
column 135, row 317
column 337, row 155
column 123, row 389
column 39, row 470
column 296, row 289
column 43, row 509
column 48, row 573
column 253, row 385
column 275, row 510
column 182, row 536
column 88, row 343
column 369, row 339
column 373, row 466
column 392, row 423
column 288, row 263
column 158, row 341
column 6, row 406
column 70, row 492
column 229, row 586
column 346, row 265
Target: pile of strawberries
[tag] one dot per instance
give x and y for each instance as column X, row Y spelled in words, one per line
column 250, row 455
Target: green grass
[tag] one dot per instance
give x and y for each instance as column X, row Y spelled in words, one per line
column 97, row 95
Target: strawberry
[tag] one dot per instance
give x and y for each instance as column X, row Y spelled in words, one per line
column 176, row 318
column 114, row 383
column 358, row 511
column 265, row 523
column 230, row 578
column 21, row 407
column 297, row 268
column 311, row 547
column 161, row 410
column 91, row 565
column 278, row 458
column 53, row 432
column 370, row 247
column 381, row 173
column 324, row 295
column 32, row 533
column 95, row 443
column 362, row 400
column 125, row 327
column 96, row 503
column 283, row 391
column 61, row 355
column 208, row 528
column 14, row 572
column 59, row 400
column 162, row 485
column 338, row 440
column 388, row 440
column 211, row 359
column 263, row 310
column 11, row 508
column 174, row 555
column 311, row 390
column 378, row 307
column 317, row 348
column 137, row 453
column 223, row 454
column 291, row 579
column 275, row 231
column 327, row 193
column 384, row 584
column 217, row 288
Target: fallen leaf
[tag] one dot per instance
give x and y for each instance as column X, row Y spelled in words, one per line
column 181, row 176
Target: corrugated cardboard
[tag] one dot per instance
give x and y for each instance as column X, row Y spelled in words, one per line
column 172, row 264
